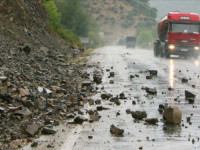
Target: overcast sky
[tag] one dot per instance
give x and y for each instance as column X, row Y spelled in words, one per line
column 164, row 6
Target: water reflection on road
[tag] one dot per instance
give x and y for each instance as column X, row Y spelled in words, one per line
column 170, row 129
column 171, row 73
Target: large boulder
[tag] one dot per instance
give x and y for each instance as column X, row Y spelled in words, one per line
column 139, row 114
column 172, row 115
column 116, row 130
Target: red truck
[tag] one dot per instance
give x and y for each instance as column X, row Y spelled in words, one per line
column 178, row 34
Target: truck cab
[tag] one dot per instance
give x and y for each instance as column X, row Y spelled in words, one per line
column 179, row 34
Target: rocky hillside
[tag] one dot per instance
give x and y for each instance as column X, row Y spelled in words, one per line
column 37, row 74
column 114, row 18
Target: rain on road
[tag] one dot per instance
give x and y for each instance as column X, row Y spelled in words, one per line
column 126, row 62
column 137, row 134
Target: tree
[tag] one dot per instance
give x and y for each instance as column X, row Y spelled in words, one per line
column 54, row 16
column 144, row 38
column 73, row 16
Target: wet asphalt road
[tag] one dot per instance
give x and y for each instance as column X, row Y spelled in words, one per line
column 126, row 62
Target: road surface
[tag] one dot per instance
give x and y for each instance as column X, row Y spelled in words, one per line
column 126, row 62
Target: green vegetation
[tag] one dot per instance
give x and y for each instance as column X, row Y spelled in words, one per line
column 147, row 27
column 144, row 39
column 76, row 19
column 142, row 7
column 69, row 20
column 55, row 25
column 126, row 24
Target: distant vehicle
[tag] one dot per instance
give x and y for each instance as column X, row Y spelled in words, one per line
column 178, row 34
column 130, row 42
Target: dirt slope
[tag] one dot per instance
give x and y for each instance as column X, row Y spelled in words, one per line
column 111, row 14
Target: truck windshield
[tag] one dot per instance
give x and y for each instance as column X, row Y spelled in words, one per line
column 185, row 28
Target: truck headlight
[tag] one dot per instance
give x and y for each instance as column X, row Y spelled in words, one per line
column 196, row 48
column 171, row 47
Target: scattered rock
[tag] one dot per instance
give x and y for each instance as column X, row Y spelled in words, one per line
column 91, row 102
column 122, row 96
column 34, row 144
column 117, row 102
column 106, row 96
column 70, row 116
column 86, row 83
column 27, row 49
column 148, row 77
column 184, row 80
column 116, row 130
column 24, row 113
column 134, row 102
column 79, row 120
column 91, row 112
column 50, row 146
column 153, row 72
column 31, row 130
column 128, row 111
column 94, row 117
column 189, row 94
column 170, row 88
column 98, row 102
column 152, row 91
column 111, row 81
column 100, row 108
column 97, row 78
column 152, row 120
column 137, row 75
column 139, row 114
column 113, row 99
column 46, row 130
column 112, row 74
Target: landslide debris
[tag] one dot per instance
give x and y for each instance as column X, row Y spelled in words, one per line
column 39, row 83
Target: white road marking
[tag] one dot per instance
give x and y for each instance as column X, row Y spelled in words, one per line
column 71, row 139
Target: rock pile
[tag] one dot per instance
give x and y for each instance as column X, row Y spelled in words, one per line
column 39, row 83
